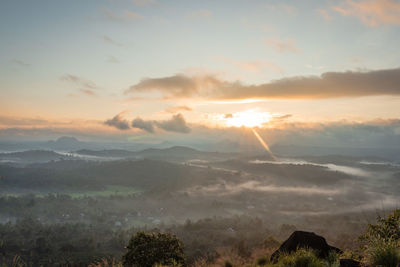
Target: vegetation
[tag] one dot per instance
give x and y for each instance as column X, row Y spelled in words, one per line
column 300, row 258
column 29, row 242
column 382, row 241
column 79, row 213
column 147, row 250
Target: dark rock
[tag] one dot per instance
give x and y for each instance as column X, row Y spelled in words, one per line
column 349, row 263
column 300, row 239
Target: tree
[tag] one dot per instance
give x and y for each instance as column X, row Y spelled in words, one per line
column 382, row 241
column 147, row 250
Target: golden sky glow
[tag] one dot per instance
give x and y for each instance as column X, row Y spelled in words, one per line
column 248, row 118
column 104, row 65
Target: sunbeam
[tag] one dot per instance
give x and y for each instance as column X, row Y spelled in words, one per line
column 264, row 144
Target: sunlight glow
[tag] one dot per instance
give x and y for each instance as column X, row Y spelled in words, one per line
column 264, row 144
column 249, row 118
column 238, row 101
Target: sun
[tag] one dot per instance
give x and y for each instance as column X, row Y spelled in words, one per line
column 249, row 118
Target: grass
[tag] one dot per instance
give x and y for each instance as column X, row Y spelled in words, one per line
column 385, row 253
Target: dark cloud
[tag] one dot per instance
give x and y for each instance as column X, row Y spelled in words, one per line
column 327, row 85
column 176, row 124
column 118, row 122
column 175, row 86
column 147, row 126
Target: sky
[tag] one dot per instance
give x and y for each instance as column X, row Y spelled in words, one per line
column 154, row 69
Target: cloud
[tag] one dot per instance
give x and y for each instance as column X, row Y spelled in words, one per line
column 88, row 92
column 85, row 86
column 176, row 109
column 79, row 81
column 109, row 40
column 281, row 117
column 18, row 121
column 118, row 122
column 144, row 2
column 112, row 59
column 126, row 16
column 253, row 66
column 325, row 14
column 132, row 15
column 228, row 116
column 372, row 12
column 327, row 85
column 175, row 86
column 147, row 126
column 21, row 63
column 289, row 9
column 282, row 46
column 176, row 124
column 204, row 13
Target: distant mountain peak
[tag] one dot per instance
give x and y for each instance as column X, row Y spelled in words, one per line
column 64, row 139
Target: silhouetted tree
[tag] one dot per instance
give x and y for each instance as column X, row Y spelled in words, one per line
column 146, row 250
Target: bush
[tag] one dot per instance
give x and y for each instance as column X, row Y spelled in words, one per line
column 262, row 261
column 300, row 258
column 386, row 228
column 147, row 250
column 382, row 241
column 384, row 253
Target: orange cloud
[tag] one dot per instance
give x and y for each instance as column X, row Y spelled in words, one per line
column 372, row 12
column 176, row 109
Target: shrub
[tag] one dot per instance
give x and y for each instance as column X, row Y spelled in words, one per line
column 262, row 261
column 104, row 262
column 301, row 258
column 332, row 259
column 147, row 250
column 385, row 229
column 382, row 241
column 384, row 253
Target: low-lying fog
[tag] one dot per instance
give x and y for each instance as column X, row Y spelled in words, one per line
column 175, row 184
